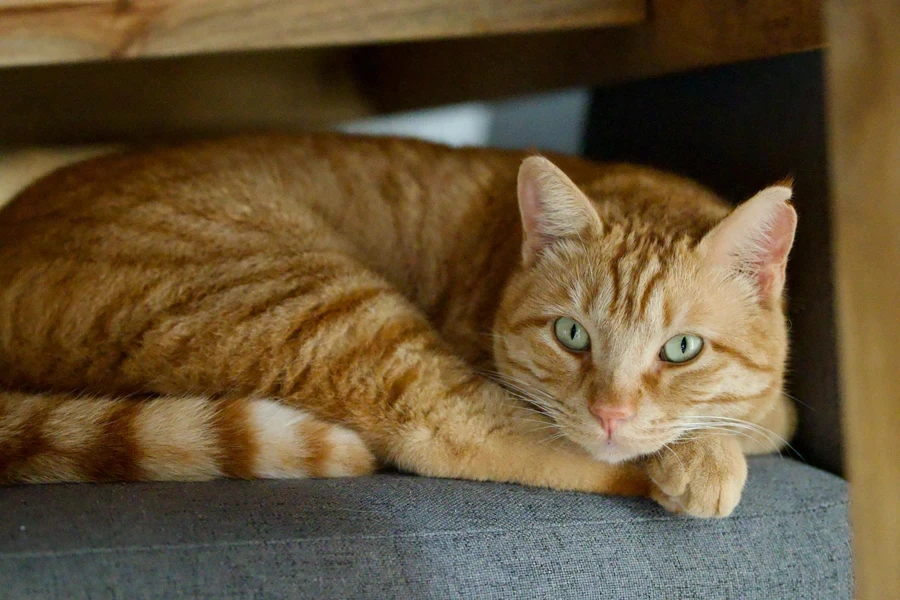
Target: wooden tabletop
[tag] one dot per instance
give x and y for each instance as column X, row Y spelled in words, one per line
column 53, row 31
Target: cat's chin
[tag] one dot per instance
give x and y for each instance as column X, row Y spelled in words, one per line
column 613, row 453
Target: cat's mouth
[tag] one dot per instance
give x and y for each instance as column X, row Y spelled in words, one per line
column 614, row 450
column 618, row 448
column 614, row 453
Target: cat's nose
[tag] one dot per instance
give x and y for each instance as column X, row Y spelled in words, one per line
column 610, row 418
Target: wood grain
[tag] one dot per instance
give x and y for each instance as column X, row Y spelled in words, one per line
column 864, row 75
column 37, row 32
column 680, row 35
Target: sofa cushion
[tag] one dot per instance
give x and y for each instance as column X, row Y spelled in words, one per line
column 397, row 536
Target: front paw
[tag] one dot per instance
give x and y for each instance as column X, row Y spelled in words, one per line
column 702, row 478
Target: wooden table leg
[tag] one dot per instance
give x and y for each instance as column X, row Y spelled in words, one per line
column 864, row 82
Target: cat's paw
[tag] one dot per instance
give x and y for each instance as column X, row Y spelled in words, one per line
column 701, row 478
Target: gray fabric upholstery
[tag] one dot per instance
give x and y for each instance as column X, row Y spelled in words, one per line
column 394, row 536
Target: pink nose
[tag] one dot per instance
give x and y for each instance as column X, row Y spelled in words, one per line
column 610, row 418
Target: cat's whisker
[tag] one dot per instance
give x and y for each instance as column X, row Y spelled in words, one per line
column 544, row 424
column 713, row 431
column 532, row 420
column 675, row 454
column 543, row 407
column 503, row 377
column 529, row 394
column 507, row 383
column 532, row 410
column 515, row 387
column 552, row 438
column 764, row 431
column 542, row 429
column 799, row 401
column 552, row 418
column 708, row 433
column 735, row 425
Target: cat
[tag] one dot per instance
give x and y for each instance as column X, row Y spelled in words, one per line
column 324, row 305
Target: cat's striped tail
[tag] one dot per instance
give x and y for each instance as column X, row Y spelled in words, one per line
column 65, row 437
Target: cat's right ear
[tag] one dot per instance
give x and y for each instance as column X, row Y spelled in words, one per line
column 552, row 208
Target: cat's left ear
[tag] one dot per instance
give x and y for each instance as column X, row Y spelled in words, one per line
column 552, row 208
column 755, row 239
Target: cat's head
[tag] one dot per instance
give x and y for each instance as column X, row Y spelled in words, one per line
column 631, row 335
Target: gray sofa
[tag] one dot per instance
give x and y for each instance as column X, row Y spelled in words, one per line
column 397, row 536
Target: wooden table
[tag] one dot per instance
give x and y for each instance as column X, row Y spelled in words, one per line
column 314, row 62
column 864, row 79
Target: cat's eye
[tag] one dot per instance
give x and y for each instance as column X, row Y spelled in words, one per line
column 571, row 334
column 681, row 348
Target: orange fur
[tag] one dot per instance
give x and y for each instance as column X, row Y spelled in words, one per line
column 367, row 286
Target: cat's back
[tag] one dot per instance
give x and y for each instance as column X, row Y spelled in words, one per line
column 377, row 192
column 267, row 182
column 137, row 231
column 263, row 170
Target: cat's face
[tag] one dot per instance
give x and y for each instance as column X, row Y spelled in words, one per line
column 630, row 341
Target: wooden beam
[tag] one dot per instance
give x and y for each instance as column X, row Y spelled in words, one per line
column 111, row 100
column 50, row 31
column 864, row 78
column 178, row 97
column 680, row 35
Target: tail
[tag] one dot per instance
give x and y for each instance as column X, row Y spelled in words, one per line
column 66, row 437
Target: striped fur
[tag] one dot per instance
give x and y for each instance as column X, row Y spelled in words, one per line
column 62, row 437
column 317, row 305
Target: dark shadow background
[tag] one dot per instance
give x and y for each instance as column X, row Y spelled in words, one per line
column 738, row 129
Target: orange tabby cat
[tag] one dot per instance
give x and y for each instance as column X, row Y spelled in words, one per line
column 319, row 305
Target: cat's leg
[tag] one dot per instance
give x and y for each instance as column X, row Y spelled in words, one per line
column 65, row 437
column 326, row 335
column 468, row 432
column 703, row 477
column 424, row 410
column 312, row 328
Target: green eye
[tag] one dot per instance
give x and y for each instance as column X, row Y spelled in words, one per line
column 681, row 348
column 571, row 334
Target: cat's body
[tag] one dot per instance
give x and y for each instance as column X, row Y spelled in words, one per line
column 314, row 305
